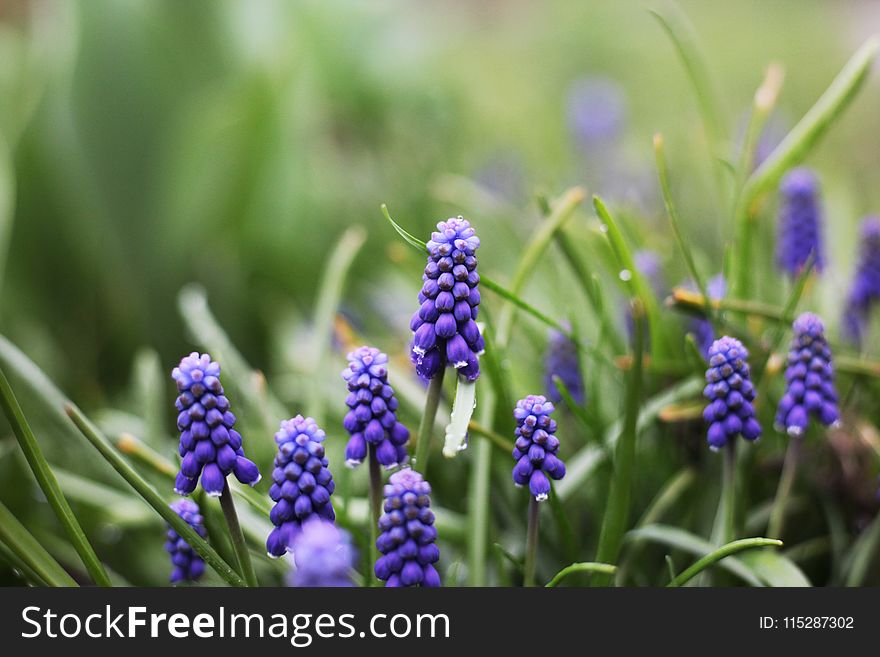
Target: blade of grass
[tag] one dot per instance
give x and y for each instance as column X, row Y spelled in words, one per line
column 28, row 549
column 24, row 572
column 791, row 151
column 48, row 484
column 7, row 202
column 721, row 553
column 581, row 567
column 151, row 497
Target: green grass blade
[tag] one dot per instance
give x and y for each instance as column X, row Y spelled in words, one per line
column 28, row 549
column 721, row 553
column 7, row 202
column 408, row 237
column 616, row 516
column 863, row 553
column 25, row 572
column 581, row 567
column 329, row 294
column 151, row 497
column 48, row 484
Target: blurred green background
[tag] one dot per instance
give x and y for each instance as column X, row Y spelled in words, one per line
column 148, row 144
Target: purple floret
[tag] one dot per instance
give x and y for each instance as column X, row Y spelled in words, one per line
column 372, row 415
column 730, row 393
column 210, row 447
column 536, row 445
column 407, row 538
column 445, row 328
column 809, row 379
column 301, row 482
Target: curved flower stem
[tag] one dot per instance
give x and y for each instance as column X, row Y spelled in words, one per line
column 375, row 507
column 49, row 484
column 718, row 555
column 238, row 543
column 531, row 543
column 426, row 426
column 581, row 567
column 786, row 482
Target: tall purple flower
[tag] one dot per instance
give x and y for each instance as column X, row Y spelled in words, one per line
column 536, row 445
column 188, row 565
column 730, row 393
column 210, row 447
column 562, row 360
column 445, row 327
column 407, row 538
column 809, row 379
column 323, row 555
column 704, row 334
column 800, row 222
column 372, row 418
column 302, row 483
column 865, row 289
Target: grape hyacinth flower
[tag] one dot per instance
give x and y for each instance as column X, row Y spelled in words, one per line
column 407, row 538
column 704, row 334
column 302, row 483
column 445, row 327
column 188, row 565
column 730, row 392
column 800, row 222
column 323, row 556
column 562, row 360
column 536, row 445
column 372, row 418
column 865, row 289
column 210, row 447
column 809, row 379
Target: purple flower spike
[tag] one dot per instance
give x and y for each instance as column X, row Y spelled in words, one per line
column 407, row 538
column 301, row 483
column 704, row 334
column 210, row 447
column 445, row 328
column 809, row 379
column 372, row 418
column 323, row 554
column 562, row 360
column 800, row 222
column 730, row 393
column 188, row 566
column 865, row 289
column 536, row 445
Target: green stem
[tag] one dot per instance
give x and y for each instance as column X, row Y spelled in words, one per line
column 582, row 567
column 151, row 497
column 478, row 496
column 786, row 482
column 239, row 545
column 728, row 492
column 531, row 543
column 719, row 554
column 29, row 550
column 375, row 506
column 48, row 484
column 617, row 512
column 426, row 426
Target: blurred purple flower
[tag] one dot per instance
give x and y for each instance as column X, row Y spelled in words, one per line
column 561, row 359
column 536, row 445
column 323, row 556
column 865, row 289
column 800, row 222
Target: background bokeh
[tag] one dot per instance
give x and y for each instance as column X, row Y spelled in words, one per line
column 149, row 144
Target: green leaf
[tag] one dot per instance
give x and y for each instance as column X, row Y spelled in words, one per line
column 721, row 553
column 151, row 497
column 48, row 484
column 774, row 569
column 408, row 237
column 864, row 551
column 7, row 202
column 581, row 567
column 28, row 549
column 685, row 541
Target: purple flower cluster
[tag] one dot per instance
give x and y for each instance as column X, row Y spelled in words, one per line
column 302, row 483
column 323, row 555
column 730, row 393
column 800, row 222
column 209, row 445
column 865, row 289
column 562, row 360
column 372, row 418
column 809, row 379
column 535, row 448
column 445, row 328
column 704, row 334
column 407, row 538
column 188, row 566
